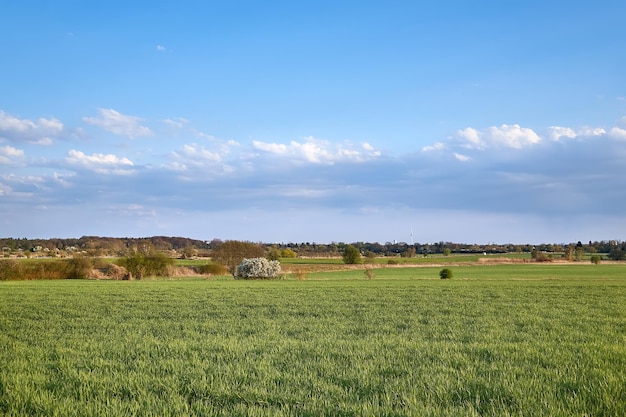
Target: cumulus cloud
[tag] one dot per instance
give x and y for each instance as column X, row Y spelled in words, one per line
column 472, row 137
column 100, row 163
column 318, row 151
column 513, row 136
column 556, row 133
column 504, row 136
column 197, row 154
column 40, row 132
column 618, row 133
column 118, row 124
column 197, row 157
column 10, row 155
column 437, row 146
column 25, row 186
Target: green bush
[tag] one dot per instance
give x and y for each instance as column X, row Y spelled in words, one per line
column 273, row 255
column 287, row 253
column 351, row 255
column 445, row 273
column 152, row 264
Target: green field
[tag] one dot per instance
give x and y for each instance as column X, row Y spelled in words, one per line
column 507, row 340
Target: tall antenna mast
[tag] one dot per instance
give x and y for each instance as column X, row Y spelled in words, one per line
column 412, row 235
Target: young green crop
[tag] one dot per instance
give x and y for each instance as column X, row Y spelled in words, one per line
column 492, row 341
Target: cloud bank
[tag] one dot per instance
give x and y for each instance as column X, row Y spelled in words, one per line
column 556, row 181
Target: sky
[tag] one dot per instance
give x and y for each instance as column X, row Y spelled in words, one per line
column 314, row 121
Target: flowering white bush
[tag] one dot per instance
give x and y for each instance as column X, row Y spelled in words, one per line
column 258, row 268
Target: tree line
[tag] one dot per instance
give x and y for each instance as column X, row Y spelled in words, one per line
column 186, row 247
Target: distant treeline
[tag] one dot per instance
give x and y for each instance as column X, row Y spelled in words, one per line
column 112, row 246
column 96, row 245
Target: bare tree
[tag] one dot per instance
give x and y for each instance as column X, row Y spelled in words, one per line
column 232, row 252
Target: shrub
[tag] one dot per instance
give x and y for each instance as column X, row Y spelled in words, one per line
column 10, row 269
column 211, row 269
column 445, row 273
column 140, row 264
column 369, row 274
column 52, row 269
column 596, row 259
column 539, row 256
column 287, row 253
column 258, row 268
column 351, row 255
column 115, row 272
column 273, row 255
column 78, row 267
column 617, row 254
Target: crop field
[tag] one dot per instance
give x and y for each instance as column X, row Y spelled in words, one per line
column 505, row 340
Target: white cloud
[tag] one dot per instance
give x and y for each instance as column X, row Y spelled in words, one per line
column 558, row 132
column 512, row 136
column 118, row 124
column 203, row 135
column 4, row 189
column 161, row 48
column 591, row 131
column 198, row 157
column 199, row 154
column 62, row 179
column 504, row 136
column 275, row 148
column 39, row 132
column 10, row 155
column 461, row 157
column 618, row 133
column 100, row 163
column 25, row 186
column 472, row 136
column 368, row 147
column 178, row 123
column 318, row 151
column 437, row 146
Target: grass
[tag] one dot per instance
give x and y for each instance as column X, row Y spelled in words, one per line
column 514, row 340
column 502, row 272
column 416, row 260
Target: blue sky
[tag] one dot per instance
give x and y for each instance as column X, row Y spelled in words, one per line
column 314, row 121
